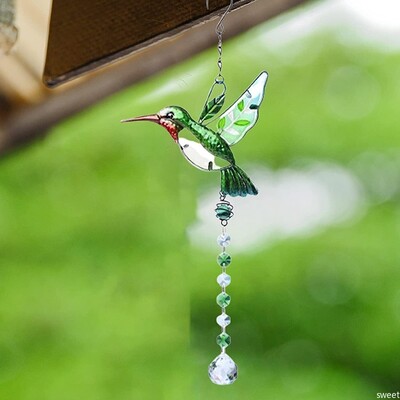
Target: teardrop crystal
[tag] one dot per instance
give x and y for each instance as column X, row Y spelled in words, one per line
column 223, row 370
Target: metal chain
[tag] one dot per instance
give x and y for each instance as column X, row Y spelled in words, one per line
column 219, row 30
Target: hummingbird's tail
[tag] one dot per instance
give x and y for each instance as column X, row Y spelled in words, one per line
column 235, row 182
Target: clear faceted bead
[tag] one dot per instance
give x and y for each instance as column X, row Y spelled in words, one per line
column 223, row 279
column 223, row 370
column 223, row 320
column 223, row 299
column 224, row 240
column 223, row 340
column 224, row 259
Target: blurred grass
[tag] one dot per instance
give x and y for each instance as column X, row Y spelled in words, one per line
column 97, row 274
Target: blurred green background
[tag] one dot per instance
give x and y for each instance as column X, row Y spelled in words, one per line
column 104, row 296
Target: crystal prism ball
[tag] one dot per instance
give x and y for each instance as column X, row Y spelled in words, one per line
column 223, row 370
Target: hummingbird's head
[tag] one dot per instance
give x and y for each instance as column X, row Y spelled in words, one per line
column 172, row 118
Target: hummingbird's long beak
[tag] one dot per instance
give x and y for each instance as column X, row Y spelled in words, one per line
column 152, row 117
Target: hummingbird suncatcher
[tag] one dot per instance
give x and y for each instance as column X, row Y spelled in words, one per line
column 213, row 151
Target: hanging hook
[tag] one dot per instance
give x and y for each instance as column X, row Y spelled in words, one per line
column 226, row 12
column 219, row 29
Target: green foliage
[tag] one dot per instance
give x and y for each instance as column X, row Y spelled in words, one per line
column 96, row 272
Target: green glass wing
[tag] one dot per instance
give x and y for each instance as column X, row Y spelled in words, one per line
column 212, row 108
column 235, row 122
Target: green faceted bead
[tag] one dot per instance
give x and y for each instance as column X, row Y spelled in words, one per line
column 224, row 259
column 223, row 340
column 223, row 299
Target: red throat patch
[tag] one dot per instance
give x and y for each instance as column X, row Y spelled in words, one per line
column 172, row 129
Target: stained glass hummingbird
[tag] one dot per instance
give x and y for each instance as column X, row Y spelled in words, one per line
column 212, row 151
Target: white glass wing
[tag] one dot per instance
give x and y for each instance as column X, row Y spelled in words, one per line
column 235, row 122
column 197, row 155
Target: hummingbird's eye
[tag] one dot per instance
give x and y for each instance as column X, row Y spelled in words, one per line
column 170, row 115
